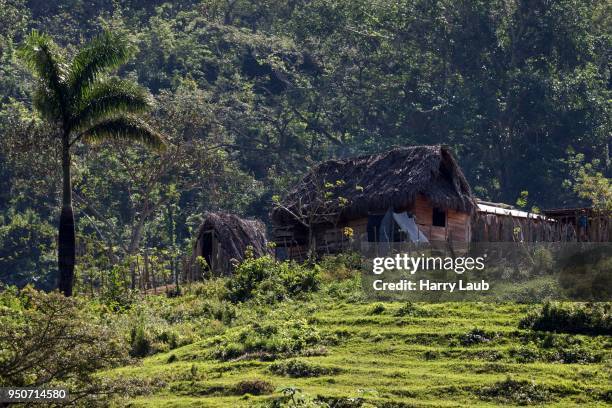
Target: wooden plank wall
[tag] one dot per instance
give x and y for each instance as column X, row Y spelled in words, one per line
column 501, row 228
column 457, row 223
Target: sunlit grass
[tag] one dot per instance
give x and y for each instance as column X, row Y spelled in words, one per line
column 391, row 360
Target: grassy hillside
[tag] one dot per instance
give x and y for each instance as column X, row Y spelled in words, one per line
column 335, row 347
column 278, row 334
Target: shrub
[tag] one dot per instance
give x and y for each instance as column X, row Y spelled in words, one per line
column 300, row 368
column 214, row 288
column 340, row 267
column 542, row 260
column 475, row 336
column 377, row 309
column 340, row 402
column 27, row 250
column 51, row 339
column 431, row 355
column 253, row 387
column 248, row 276
column 410, row 309
column 526, row 354
column 565, row 355
column 576, row 355
column 197, row 307
column 140, row 342
column 350, row 290
column 591, row 318
column 169, row 337
column 220, row 310
column 271, row 280
column 269, row 340
column 295, row 398
column 521, row 392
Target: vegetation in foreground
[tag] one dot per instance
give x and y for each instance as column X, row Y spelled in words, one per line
column 229, row 342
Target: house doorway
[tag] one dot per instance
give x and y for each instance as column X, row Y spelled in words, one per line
column 207, row 247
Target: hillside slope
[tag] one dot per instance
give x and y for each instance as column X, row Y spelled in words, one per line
column 340, row 349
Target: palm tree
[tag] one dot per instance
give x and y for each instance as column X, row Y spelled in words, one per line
column 85, row 103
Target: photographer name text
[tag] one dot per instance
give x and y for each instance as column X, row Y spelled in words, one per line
column 411, row 265
column 427, row 285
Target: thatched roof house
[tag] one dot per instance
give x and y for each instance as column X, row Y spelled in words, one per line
column 222, row 240
column 425, row 182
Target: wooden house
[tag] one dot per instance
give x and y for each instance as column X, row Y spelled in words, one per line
column 416, row 194
column 222, row 241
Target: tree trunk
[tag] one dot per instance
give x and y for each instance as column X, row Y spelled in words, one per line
column 66, row 241
column 133, row 248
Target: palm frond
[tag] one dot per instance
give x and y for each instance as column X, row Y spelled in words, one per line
column 104, row 53
column 124, row 128
column 46, row 103
column 108, row 99
column 44, row 59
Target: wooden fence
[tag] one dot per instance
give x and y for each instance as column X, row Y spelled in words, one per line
column 501, row 228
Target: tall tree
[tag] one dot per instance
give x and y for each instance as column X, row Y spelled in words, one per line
column 84, row 103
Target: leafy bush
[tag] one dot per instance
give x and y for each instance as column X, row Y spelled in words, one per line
column 220, row 310
column 140, row 342
column 300, row 368
column 253, row 387
column 27, row 250
column 377, row 309
column 50, row 339
column 214, row 288
column 270, row 340
column 340, row 267
column 542, row 260
column 591, row 318
column 192, row 308
column 169, row 337
column 271, row 280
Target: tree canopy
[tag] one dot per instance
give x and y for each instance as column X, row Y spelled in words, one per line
column 251, row 94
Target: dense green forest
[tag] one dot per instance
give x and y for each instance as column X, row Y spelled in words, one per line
column 249, row 94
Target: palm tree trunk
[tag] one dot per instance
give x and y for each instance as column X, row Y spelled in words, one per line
column 66, row 241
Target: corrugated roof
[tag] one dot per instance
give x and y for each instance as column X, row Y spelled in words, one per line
column 491, row 209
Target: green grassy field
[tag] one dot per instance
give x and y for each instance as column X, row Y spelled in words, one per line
column 347, row 351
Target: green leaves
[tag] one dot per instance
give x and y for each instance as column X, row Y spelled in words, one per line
column 124, row 128
column 106, row 99
column 80, row 99
column 104, row 53
column 46, row 62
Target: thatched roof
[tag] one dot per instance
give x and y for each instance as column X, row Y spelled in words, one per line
column 377, row 182
column 235, row 234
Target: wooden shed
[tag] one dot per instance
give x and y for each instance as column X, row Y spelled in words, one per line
column 414, row 194
column 222, row 240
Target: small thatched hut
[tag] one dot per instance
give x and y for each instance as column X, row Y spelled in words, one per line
column 222, row 240
column 407, row 194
